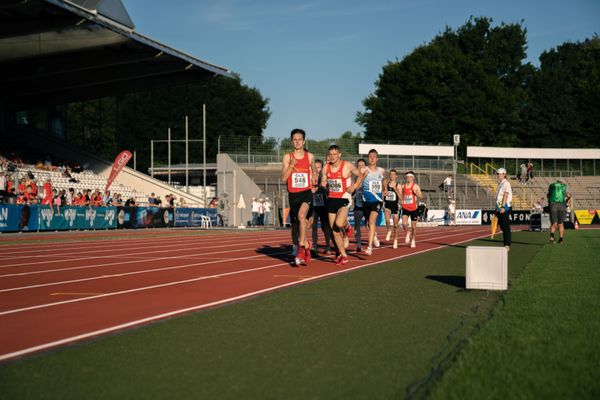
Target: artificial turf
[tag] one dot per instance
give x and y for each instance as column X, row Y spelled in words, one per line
column 378, row 332
column 543, row 341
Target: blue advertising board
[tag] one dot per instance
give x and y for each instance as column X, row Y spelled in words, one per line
column 77, row 218
column 193, row 216
column 19, row 218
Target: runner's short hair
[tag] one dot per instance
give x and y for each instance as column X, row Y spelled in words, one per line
column 373, row 151
column 394, row 171
column 319, row 161
column 333, row 147
column 297, row 130
column 361, row 159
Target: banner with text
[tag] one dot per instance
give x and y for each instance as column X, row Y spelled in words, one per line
column 516, row 217
column 15, row 218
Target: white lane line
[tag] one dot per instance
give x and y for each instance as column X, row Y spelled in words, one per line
column 211, row 304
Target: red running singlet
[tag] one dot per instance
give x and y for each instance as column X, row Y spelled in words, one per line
column 409, row 199
column 336, row 182
column 299, row 179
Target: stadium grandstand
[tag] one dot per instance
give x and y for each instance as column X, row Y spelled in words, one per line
column 54, row 52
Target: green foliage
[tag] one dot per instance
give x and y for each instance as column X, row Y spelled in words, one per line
column 109, row 125
column 473, row 81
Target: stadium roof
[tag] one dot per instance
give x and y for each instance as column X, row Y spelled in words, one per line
column 60, row 51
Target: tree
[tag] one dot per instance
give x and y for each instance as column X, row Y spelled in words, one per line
column 565, row 97
column 470, row 81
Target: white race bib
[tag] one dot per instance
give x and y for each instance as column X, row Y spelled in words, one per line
column 335, row 185
column 375, row 186
column 300, row 180
column 390, row 196
column 408, row 199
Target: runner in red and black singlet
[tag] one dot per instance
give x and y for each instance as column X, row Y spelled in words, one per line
column 299, row 174
column 409, row 193
column 340, row 188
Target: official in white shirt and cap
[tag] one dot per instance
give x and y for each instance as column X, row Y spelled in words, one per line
column 504, row 205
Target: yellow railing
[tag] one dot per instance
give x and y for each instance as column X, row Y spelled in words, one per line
column 477, row 168
column 491, row 168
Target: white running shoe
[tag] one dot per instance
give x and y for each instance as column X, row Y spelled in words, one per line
column 376, row 241
column 413, row 244
column 298, row 261
column 407, row 239
column 395, row 246
column 368, row 251
column 388, row 236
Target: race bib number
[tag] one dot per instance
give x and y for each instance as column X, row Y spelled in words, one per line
column 300, row 180
column 408, row 199
column 390, row 196
column 335, row 185
column 375, row 186
column 318, row 200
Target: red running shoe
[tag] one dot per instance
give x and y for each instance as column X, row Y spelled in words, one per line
column 307, row 255
column 341, row 260
column 349, row 230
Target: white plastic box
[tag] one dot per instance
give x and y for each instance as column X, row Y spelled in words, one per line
column 487, row 268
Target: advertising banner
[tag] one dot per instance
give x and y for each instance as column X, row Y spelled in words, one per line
column 587, row 217
column 438, row 216
column 468, row 217
column 120, row 163
column 193, row 216
column 516, row 217
column 77, row 218
column 154, row 217
column 15, row 218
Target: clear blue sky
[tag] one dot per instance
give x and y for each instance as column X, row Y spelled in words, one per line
column 317, row 60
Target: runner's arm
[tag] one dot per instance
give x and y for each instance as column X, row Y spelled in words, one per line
column 314, row 178
column 417, row 191
column 360, row 177
column 384, row 186
column 287, row 169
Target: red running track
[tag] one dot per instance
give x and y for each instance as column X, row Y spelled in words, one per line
column 52, row 294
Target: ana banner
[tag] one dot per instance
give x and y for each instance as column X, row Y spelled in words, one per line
column 120, row 163
column 468, row 217
column 587, row 217
column 516, row 217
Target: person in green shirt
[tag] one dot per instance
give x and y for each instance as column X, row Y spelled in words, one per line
column 558, row 196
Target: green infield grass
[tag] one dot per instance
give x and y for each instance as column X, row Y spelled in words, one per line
column 543, row 341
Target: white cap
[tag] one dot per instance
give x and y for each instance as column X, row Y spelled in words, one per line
column 501, row 171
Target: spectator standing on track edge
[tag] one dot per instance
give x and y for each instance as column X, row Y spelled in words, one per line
column 558, row 197
column 299, row 172
column 504, row 205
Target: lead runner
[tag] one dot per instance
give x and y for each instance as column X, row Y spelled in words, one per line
column 299, row 172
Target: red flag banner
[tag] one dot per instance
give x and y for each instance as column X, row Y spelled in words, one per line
column 120, row 163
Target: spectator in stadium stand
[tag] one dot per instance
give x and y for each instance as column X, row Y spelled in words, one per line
column 107, row 198
column 182, row 202
column 86, row 198
column 118, row 200
column 130, row 202
column 529, row 171
column 3, row 184
column 213, row 202
column 67, row 174
column 63, row 197
column 152, row 199
column 70, row 197
column 10, row 185
column 96, row 199
column 47, row 192
column 171, row 201
column 504, row 205
column 558, row 197
column 261, row 212
column 22, row 187
column 268, row 206
column 158, row 202
column 56, row 201
column 448, row 185
column 34, row 187
column 29, row 197
column 522, row 173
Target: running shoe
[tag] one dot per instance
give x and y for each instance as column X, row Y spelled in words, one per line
column 395, row 245
column 368, row 251
column 341, row 260
column 307, row 255
column 413, row 244
column 551, row 238
column 297, row 262
column 376, row 241
column 388, row 236
column 407, row 239
column 349, row 230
